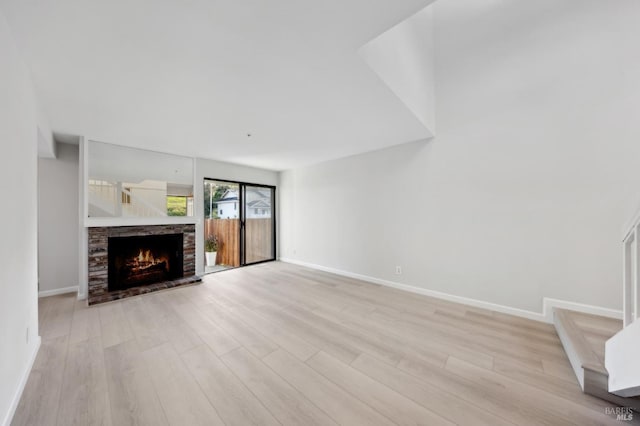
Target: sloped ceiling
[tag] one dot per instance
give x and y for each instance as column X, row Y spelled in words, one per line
column 197, row 77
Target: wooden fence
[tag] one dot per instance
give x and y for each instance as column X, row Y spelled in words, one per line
column 228, row 233
column 259, row 239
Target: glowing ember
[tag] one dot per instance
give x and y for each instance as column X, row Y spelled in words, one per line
column 146, row 258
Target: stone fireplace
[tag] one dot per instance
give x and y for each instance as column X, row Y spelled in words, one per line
column 130, row 260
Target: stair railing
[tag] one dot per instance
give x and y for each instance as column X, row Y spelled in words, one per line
column 631, row 272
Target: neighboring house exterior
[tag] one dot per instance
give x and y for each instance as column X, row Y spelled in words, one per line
column 259, row 209
column 258, row 204
column 227, row 206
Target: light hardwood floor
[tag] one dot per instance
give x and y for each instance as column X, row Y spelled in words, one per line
column 280, row 344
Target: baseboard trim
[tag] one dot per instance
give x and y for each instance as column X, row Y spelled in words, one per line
column 57, row 291
column 547, row 303
column 23, row 382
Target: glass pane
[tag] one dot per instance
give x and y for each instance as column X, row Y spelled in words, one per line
column 137, row 183
column 258, row 224
column 221, row 225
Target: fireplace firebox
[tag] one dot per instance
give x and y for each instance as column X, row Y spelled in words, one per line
column 142, row 260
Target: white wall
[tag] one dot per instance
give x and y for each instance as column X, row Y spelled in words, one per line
column 403, row 57
column 524, row 191
column 225, row 171
column 18, row 245
column 58, row 220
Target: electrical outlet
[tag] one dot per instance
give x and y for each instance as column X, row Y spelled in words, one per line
column 398, row 270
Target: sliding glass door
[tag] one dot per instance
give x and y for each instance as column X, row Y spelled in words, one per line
column 239, row 224
column 259, row 223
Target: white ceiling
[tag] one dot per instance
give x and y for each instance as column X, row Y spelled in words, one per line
column 195, row 77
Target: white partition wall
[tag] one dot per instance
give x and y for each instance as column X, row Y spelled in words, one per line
column 622, row 351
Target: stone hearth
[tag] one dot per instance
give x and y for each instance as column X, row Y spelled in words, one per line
column 98, row 246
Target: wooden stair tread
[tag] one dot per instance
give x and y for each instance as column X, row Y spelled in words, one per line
column 582, row 346
column 583, row 337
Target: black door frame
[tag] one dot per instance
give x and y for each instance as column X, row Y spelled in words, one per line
column 242, row 236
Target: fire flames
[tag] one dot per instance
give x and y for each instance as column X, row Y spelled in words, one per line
column 141, row 264
column 146, row 258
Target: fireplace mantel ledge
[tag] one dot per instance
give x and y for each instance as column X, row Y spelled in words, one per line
column 93, row 222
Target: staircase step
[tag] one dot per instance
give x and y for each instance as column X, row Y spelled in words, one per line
column 583, row 337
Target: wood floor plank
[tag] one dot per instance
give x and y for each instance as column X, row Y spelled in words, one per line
column 174, row 328
column 229, row 297
column 233, row 325
column 84, row 398
column 210, row 333
column 386, row 401
column 37, row 407
column 359, row 341
column 344, row 408
column 427, row 349
column 560, row 369
column 290, row 342
column 45, row 304
column 110, row 312
column 57, row 321
column 285, row 403
column 317, row 337
column 182, row 399
column 555, row 409
column 85, row 323
column 270, row 288
column 133, row 398
column 240, row 292
column 441, row 330
column 233, row 401
column 530, row 342
column 494, row 400
column 116, row 332
column 511, row 325
column 177, row 296
column 144, row 327
column 425, row 345
column 433, row 398
column 548, row 383
column 176, row 331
